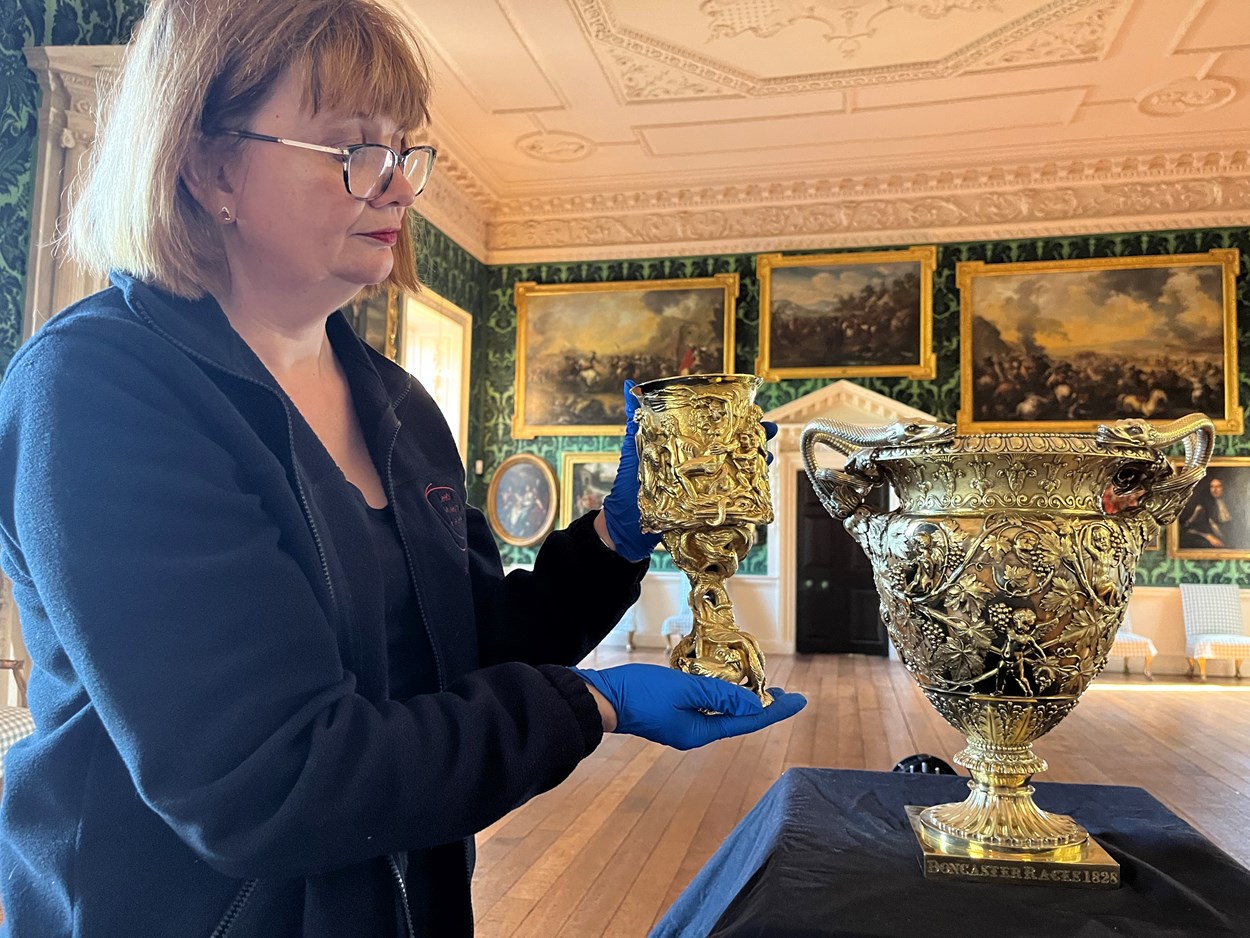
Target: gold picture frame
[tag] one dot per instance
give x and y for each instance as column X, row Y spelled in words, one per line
column 1068, row 345
column 522, row 500
column 585, row 480
column 578, row 342
column 376, row 319
column 1202, row 531
column 848, row 314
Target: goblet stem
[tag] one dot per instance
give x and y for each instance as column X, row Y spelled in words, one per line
column 716, row 647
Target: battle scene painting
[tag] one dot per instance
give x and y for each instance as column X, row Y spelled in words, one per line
column 578, row 343
column 849, row 314
column 1071, row 344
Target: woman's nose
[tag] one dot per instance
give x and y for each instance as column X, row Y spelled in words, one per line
column 400, row 192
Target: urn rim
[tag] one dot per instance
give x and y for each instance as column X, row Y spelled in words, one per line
column 1024, row 443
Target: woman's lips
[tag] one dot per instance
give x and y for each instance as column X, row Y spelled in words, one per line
column 382, row 237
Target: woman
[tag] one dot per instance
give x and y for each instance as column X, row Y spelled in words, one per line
column 280, row 677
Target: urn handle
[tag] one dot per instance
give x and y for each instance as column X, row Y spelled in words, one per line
column 842, row 492
column 1165, row 498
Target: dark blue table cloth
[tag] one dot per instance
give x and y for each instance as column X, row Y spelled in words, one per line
column 830, row 853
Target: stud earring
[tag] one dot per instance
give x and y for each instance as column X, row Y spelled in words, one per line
column 226, row 217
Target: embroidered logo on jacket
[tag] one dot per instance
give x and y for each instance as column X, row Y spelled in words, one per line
column 446, row 504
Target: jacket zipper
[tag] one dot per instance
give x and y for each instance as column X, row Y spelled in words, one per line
column 403, row 895
column 412, row 571
column 438, row 661
column 290, row 442
column 234, row 910
column 244, row 894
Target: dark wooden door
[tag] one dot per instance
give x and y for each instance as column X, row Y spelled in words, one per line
column 836, row 607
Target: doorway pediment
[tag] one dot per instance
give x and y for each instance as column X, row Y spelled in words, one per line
column 844, row 401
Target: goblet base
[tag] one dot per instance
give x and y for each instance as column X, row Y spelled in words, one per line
column 1087, row 866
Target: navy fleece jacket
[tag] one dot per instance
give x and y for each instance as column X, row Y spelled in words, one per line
column 216, row 749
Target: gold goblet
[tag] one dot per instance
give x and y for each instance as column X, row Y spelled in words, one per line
column 703, row 485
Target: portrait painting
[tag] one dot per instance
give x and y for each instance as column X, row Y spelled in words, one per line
column 578, row 343
column 1215, row 522
column 849, row 314
column 585, row 480
column 1056, row 345
column 521, row 500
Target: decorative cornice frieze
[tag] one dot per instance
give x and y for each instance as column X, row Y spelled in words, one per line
column 461, row 218
column 456, row 201
column 994, row 179
column 865, row 219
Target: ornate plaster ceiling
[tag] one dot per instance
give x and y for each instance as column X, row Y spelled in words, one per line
column 598, row 128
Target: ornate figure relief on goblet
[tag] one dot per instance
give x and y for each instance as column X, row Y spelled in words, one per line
column 1003, row 575
column 703, row 485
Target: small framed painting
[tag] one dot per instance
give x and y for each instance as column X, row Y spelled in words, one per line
column 585, row 480
column 1215, row 522
column 521, row 501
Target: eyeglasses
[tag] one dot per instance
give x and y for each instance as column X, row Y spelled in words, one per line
column 367, row 167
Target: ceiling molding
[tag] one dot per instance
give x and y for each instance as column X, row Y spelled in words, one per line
column 1079, row 35
column 1186, row 190
column 456, row 201
column 1062, row 30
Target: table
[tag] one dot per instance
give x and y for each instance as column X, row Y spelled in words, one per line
column 830, row 853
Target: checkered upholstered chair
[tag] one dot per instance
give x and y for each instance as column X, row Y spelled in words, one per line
column 1128, row 644
column 1213, row 624
column 678, row 625
column 15, row 722
column 627, row 626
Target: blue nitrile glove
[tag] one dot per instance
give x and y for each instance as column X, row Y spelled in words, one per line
column 663, row 705
column 770, row 431
column 620, row 508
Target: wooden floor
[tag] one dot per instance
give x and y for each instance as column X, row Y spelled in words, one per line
column 608, row 851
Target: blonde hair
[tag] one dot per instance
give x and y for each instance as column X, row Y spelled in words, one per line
column 196, row 67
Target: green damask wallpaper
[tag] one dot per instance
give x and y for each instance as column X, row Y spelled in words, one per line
column 486, row 292
column 494, row 359
column 36, row 23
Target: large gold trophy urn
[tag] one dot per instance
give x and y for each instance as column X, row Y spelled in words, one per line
column 703, row 485
column 1004, row 574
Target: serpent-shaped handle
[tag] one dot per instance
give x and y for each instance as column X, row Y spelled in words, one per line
column 1169, row 494
column 842, row 492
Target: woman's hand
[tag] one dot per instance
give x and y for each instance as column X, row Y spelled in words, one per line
column 671, row 707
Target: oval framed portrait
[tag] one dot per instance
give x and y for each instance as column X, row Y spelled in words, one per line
column 521, row 502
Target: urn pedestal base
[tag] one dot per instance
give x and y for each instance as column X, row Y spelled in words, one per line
column 1085, row 866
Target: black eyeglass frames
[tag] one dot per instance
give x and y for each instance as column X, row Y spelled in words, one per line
column 367, row 167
